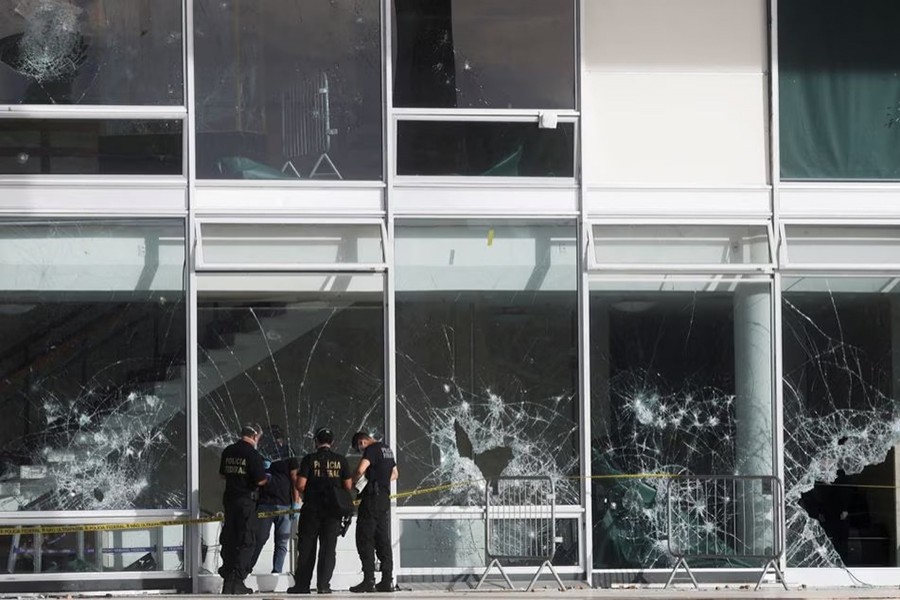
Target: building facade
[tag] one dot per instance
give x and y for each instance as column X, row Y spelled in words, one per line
column 599, row 240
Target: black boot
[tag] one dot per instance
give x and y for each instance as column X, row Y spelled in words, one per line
column 239, row 587
column 366, row 586
column 228, row 586
column 385, row 585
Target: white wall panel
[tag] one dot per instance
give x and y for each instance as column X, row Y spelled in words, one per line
column 267, row 198
column 676, row 128
column 676, row 92
column 676, row 35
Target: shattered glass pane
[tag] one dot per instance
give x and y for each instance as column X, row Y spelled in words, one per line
column 91, row 52
column 292, row 361
column 288, row 89
column 487, row 363
column 841, row 419
column 160, row 549
column 484, row 53
column 92, row 347
column 680, row 384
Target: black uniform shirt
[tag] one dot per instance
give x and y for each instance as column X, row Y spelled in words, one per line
column 381, row 464
column 278, row 490
column 323, row 470
column 242, row 467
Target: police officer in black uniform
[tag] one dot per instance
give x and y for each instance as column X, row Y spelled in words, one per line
column 373, row 520
column 244, row 472
column 320, row 474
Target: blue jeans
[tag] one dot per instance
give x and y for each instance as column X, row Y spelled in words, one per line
column 282, row 525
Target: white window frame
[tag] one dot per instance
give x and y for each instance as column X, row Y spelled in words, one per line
column 202, row 266
column 713, row 268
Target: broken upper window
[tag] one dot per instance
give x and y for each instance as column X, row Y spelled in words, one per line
column 484, row 54
column 288, row 89
column 91, row 52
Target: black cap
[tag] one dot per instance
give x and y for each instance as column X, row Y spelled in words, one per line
column 250, row 430
column 324, row 436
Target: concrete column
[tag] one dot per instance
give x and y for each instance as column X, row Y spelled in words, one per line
column 753, row 412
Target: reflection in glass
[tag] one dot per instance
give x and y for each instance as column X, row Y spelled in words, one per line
column 841, row 421
column 288, row 89
column 842, row 244
column 279, row 244
column 91, row 52
column 620, row 243
column 485, row 149
column 680, row 383
column 90, row 147
column 487, row 373
column 92, row 351
column 160, row 549
column 484, row 54
column 308, row 353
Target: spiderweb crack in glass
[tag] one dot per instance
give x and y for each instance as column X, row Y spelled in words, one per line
column 474, row 435
column 51, row 46
column 97, row 452
column 849, row 424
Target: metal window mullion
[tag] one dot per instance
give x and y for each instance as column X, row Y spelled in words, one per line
column 487, row 114
column 275, row 220
column 838, row 269
column 707, row 222
column 292, row 268
column 692, row 269
column 80, row 111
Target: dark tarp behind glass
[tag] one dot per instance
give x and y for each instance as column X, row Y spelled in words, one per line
column 839, row 65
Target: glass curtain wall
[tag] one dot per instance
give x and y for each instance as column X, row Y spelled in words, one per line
column 93, row 330
column 487, row 372
column 681, row 383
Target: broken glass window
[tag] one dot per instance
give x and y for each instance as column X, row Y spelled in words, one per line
column 841, row 420
column 292, row 361
column 487, row 363
column 91, row 52
column 92, row 351
column 680, row 384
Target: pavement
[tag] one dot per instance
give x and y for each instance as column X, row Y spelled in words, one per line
column 577, row 592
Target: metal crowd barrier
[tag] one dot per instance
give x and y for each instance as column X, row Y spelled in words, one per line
column 520, row 525
column 732, row 518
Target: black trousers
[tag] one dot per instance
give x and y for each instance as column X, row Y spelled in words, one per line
column 238, row 537
column 322, row 529
column 373, row 535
